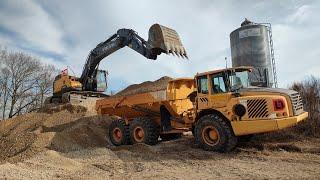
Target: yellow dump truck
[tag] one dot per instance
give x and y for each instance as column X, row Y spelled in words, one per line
column 219, row 107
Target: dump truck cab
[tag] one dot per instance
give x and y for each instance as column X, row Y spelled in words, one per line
column 228, row 96
column 216, row 88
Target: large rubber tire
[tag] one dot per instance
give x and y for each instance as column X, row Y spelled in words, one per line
column 144, row 130
column 65, row 98
column 55, row 100
column 213, row 133
column 245, row 138
column 193, row 130
column 172, row 136
column 119, row 132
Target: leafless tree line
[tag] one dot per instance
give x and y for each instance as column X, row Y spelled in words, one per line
column 310, row 92
column 24, row 83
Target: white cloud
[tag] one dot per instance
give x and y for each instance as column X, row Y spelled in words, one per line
column 72, row 28
column 29, row 21
column 297, row 45
column 302, row 14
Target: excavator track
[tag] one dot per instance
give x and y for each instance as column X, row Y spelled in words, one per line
column 76, row 97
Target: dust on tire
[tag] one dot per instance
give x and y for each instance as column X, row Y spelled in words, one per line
column 226, row 140
column 150, row 129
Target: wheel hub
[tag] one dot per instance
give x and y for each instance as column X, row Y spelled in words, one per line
column 139, row 134
column 210, row 135
column 117, row 134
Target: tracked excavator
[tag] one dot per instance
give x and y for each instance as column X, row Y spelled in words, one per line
column 93, row 81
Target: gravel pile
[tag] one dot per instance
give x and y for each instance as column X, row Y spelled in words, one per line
column 61, row 128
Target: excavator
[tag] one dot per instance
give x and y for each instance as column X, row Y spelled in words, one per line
column 93, row 81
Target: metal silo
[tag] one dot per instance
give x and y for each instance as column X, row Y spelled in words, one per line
column 250, row 46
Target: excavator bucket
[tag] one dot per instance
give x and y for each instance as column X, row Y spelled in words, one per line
column 166, row 40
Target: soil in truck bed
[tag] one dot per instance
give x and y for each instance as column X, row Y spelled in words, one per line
column 147, row 86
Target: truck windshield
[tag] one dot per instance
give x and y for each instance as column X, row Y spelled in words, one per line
column 238, row 80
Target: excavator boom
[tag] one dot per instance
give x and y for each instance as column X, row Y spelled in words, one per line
column 161, row 40
column 93, row 82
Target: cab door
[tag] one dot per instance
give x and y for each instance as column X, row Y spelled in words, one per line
column 218, row 92
column 203, row 92
column 101, row 79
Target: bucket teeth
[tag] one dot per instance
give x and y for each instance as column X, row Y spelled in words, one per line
column 171, row 52
column 185, row 55
column 175, row 50
column 167, row 47
column 177, row 53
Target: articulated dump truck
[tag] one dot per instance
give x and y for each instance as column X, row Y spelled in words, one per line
column 219, row 107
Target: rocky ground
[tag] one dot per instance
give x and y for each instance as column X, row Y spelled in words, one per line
column 69, row 143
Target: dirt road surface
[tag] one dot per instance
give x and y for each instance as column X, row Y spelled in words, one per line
column 172, row 160
column 69, row 144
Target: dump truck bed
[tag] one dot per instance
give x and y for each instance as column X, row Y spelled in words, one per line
column 132, row 105
column 175, row 98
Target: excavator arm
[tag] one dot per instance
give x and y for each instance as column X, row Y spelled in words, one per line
column 161, row 40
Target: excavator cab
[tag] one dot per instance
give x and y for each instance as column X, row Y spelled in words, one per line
column 101, row 80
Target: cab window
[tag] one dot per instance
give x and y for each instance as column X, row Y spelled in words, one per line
column 218, row 84
column 203, row 85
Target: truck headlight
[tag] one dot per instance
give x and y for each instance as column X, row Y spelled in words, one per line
column 239, row 110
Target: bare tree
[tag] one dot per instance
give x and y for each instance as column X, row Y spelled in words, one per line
column 4, row 81
column 4, row 90
column 22, row 70
column 24, row 82
column 45, row 81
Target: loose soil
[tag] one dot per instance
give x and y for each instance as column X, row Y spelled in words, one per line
column 71, row 142
column 146, row 86
column 67, row 142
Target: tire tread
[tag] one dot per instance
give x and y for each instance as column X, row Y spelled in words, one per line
column 230, row 140
column 152, row 130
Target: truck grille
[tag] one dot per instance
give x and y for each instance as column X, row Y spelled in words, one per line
column 257, row 108
column 297, row 104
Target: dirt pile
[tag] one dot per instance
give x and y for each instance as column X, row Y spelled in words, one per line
column 146, row 86
column 66, row 142
column 52, row 108
column 167, row 160
column 62, row 128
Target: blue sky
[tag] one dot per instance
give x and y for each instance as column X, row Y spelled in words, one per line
column 63, row 32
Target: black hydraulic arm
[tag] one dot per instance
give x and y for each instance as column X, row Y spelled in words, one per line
column 123, row 37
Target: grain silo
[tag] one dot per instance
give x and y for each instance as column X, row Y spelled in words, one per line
column 251, row 45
